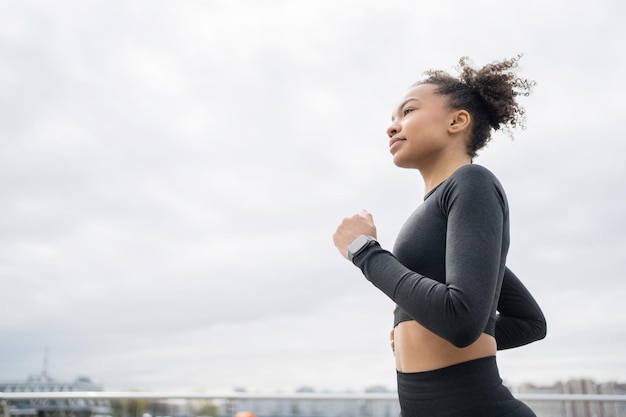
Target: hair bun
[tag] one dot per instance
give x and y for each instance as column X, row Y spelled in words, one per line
column 488, row 94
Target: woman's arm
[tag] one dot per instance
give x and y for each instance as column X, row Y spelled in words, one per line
column 459, row 309
column 520, row 320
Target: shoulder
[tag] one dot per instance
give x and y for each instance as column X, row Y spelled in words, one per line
column 473, row 177
column 472, row 183
column 473, row 172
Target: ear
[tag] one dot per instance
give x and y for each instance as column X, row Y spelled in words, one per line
column 460, row 122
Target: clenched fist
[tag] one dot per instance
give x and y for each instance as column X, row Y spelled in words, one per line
column 352, row 227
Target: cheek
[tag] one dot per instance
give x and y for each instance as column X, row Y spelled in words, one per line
column 420, row 122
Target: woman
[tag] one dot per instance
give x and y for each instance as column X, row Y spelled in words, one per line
column 447, row 271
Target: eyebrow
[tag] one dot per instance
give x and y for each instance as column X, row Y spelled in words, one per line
column 404, row 103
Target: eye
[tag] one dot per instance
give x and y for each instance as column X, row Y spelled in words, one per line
column 407, row 111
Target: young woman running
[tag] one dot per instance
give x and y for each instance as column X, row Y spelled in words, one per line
column 457, row 303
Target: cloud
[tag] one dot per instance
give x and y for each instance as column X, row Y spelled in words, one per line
column 172, row 175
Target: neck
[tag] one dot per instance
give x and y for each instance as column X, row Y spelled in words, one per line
column 435, row 174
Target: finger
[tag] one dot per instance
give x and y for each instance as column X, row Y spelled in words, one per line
column 367, row 215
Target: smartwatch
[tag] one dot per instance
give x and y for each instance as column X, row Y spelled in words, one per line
column 358, row 245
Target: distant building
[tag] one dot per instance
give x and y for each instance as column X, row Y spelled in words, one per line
column 55, row 408
column 577, row 408
column 545, row 408
column 390, row 408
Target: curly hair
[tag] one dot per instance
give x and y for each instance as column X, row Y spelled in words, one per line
column 487, row 94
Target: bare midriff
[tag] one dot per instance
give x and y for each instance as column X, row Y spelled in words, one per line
column 418, row 349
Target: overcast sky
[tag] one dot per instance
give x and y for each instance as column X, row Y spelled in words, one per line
column 172, row 172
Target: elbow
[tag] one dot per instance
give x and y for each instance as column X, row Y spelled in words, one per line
column 541, row 328
column 537, row 327
column 537, row 330
column 464, row 337
column 466, row 330
column 462, row 343
column 460, row 336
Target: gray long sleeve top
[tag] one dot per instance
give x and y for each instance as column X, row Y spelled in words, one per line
column 447, row 270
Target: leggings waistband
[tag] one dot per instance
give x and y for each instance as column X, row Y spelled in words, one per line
column 467, row 389
column 478, row 373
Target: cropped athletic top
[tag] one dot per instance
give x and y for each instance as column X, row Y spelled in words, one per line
column 448, row 266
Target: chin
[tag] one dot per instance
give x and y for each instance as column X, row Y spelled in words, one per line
column 402, row 163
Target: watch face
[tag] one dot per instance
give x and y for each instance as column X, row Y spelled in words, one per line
column 358, row 244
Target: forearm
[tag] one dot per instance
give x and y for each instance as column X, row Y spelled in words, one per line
column 446, row 310
column 520, row 320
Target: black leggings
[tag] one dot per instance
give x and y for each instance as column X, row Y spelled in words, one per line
column 469, row 389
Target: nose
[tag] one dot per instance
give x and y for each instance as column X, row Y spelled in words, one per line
column 393, row 129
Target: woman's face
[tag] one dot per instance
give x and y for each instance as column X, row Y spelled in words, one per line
column 419, row 130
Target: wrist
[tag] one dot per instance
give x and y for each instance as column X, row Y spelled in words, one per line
column 358, row 245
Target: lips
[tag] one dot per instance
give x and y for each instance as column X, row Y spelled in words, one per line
column 395, row 140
